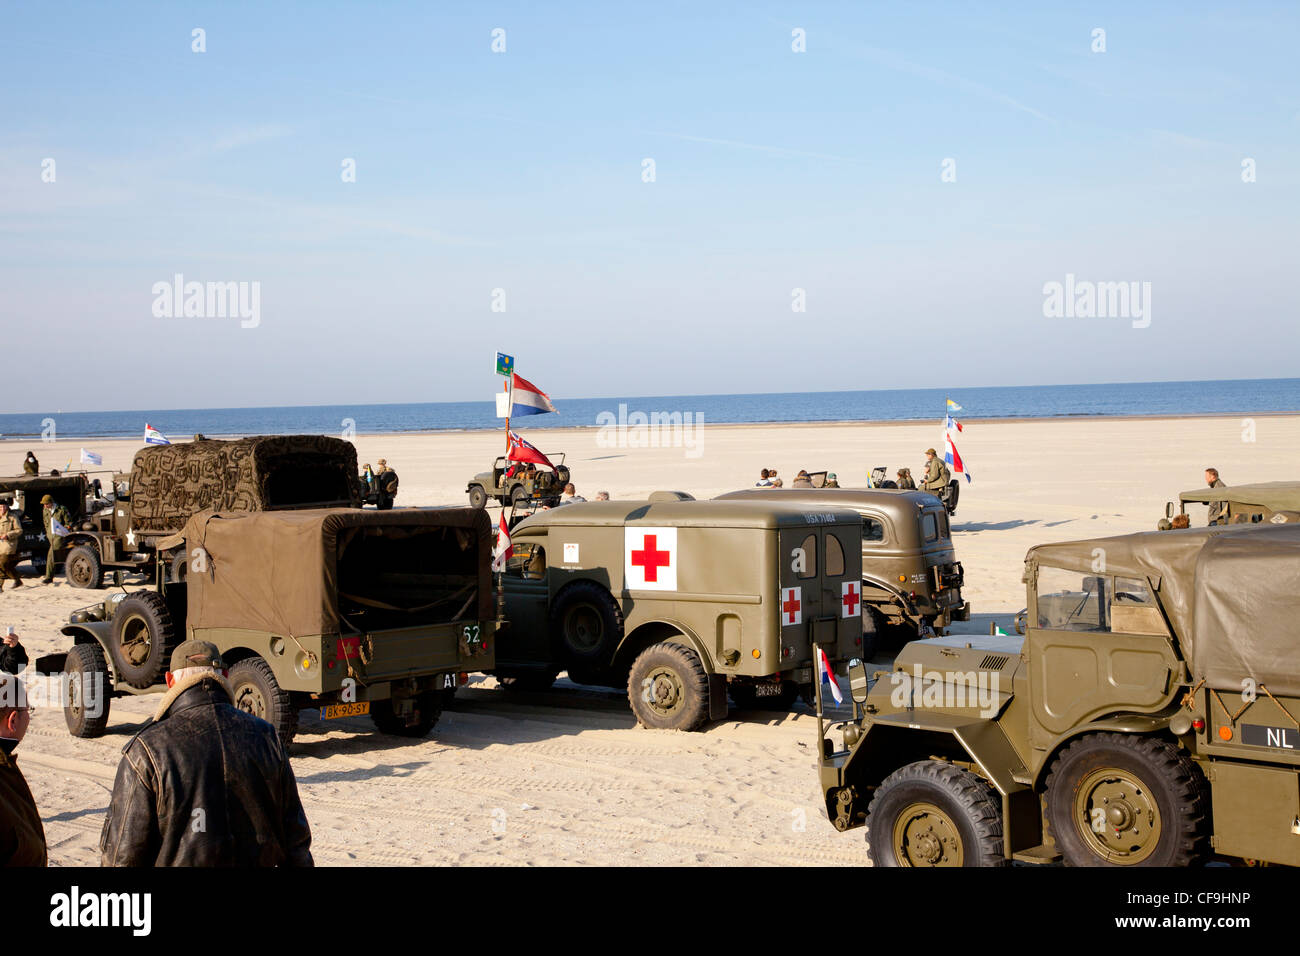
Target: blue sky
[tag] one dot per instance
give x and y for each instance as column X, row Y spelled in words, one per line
column 522, row 171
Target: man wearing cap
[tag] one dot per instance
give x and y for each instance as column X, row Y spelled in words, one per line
column 831, row 481
column 53, row 513
column 204, row 784
column 11, row 540
column 937, row 475
column 22, row 837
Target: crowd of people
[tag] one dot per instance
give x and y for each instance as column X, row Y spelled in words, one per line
column 937, row 477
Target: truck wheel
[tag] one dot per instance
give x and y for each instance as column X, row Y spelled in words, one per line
column 518, row 495
column 89, row 691
column 81, row 568
column 1126, row 800
column 178, row 568
column 669, row 688
column 428, row 708
column 258, row 693
column 144, row 637
column 930, row 813
column 477, row 497
column 529, row 680
column 586, row 627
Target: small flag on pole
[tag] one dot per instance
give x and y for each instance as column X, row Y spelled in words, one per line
column 824, row 666
column 90, row 458
column 153, row 436
column 505, row 364
column 503, row 544
column 953, row 407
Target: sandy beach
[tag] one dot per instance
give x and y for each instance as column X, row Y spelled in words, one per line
column 567, row 777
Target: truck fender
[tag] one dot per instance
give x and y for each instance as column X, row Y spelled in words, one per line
column 669, row 631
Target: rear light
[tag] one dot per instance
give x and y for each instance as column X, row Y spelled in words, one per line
column 1198, row 724
column 462, row 678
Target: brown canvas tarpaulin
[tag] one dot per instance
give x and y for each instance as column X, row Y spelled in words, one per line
column 1247, row 612
column 169, row 483
column 277, row 571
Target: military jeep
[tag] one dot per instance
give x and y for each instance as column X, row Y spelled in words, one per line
column 349, row 611
column 517, row 483
column 168, row 484
column 911, row 578
column 1150, row 717
column 1272, row 502
column 78, row 492
column 682, row 602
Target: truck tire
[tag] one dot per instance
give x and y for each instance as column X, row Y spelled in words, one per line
column 586, row 626
column 1126, row 800
column 477, row 497
column 178, row 568
column 144, row 637
column 668, row 688
column 518, row 495
column 257, row 692
column 931, row 813
column 89, row 691
column 81, row 568
column 428, row 708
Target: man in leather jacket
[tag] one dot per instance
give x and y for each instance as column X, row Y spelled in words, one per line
column 204, row 784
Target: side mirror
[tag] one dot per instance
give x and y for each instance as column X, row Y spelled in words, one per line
column 858, row 685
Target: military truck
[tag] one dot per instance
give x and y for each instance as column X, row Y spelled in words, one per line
column 1148, row 718
column 682, row 601
column 911, row 578
column 349, row 611
column 168, row 484
column 515, row 483
column 78, row 492
column 1274, row 502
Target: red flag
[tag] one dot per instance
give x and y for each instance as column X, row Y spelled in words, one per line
column 521, row 450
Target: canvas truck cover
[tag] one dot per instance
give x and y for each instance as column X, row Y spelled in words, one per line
column 1272, row 495
column 278, row 571
column 170, row 483
column 1245, row 616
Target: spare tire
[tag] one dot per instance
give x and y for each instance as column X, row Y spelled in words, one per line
column 586, row 627
column 144, row 637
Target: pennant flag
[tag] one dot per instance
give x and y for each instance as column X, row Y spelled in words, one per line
column 527, row 398
column 90, row 458
column 824, row 666
column 953, row 407
column 521, row 450
column 57, row 529
column 153, row 436
column 503, row 544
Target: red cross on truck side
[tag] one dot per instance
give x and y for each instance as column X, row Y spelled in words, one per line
column 790, row 607
column 650, row 558
column 850, row 599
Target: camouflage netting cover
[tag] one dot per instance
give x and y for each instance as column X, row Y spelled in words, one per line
column 171, row 483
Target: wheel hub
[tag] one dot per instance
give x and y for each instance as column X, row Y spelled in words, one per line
column 249, row 700
column 925, row 835
column 665, row 691
column 1118, row 816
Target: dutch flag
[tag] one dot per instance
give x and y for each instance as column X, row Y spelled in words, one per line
column 153, row 436
column 824, row 665
column 527, row 398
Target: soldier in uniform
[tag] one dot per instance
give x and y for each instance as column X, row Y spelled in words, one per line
column 937, row 475
column 53, row 513
column 11, row 538
column 831, row 481
column 905, row 479
column 1218, row 509
column 30, row 465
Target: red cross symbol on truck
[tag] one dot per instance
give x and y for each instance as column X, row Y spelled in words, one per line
column 649, row 558
column 790, row 604
column 851, row 599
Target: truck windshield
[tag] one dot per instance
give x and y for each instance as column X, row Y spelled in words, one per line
column 1069, row 601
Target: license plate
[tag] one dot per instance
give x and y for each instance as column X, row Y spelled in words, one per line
column 335, row 711
column 1259, row 735
column 767, row 690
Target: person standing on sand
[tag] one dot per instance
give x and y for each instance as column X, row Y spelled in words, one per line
column 30, row 465
column 22, row 836
column 11, row 538
column 57, row 524
column 1218, row 509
